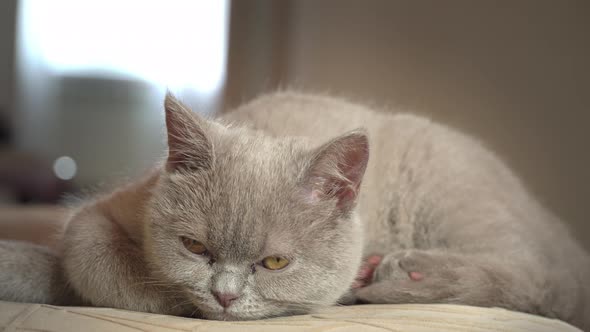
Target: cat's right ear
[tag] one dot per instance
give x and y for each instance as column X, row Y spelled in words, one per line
column 337, row 168
column 189, row 148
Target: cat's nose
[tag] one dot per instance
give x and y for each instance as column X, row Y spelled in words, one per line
column 225, row 299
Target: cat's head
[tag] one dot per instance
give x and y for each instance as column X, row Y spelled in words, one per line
column 251, row 226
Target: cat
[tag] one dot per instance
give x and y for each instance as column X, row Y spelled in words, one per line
column 293, row 202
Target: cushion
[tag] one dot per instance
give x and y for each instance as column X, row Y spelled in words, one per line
column 406, row 317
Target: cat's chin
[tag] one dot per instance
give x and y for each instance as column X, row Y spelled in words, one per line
column 214, row 312
column 227, row 316
column 237, row 316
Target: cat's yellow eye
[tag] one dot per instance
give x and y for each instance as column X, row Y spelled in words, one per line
column 193, row 246
column 275, row 262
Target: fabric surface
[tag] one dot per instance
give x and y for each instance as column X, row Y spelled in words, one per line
column 408, row 317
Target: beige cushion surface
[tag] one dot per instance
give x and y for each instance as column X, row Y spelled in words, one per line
column 407, row 317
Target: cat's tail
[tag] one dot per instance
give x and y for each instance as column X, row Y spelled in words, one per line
column 32, row 273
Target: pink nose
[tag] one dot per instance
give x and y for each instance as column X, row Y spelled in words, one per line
column 225, row 299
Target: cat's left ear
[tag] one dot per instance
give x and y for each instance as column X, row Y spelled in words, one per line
column 337, row 168
column 189, row 148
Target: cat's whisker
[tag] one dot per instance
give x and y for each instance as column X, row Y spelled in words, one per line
column 292, row 302
column 172, row 292
column 152, row 283
column 194, row 312
column 181, row 303
column 301, row 307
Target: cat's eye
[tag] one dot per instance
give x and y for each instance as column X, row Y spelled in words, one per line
column 275, row 262
column 194, row 246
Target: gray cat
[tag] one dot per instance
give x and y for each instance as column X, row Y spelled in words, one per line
column 277, row 209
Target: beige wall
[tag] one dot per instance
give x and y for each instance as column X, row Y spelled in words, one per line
column 516, row 74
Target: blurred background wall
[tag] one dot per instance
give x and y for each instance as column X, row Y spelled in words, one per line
column 7, row 37
column 515, row 74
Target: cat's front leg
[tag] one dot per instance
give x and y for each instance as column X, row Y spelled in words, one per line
column 106, row 267
column 431, row 276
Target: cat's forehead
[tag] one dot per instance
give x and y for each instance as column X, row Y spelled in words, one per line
column 253, row 205
column 257, row 162
column 247, row 233
column 247, row 224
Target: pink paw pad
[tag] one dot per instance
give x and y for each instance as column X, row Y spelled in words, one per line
column 416, row 276
column 374, row 260
column 365, row 274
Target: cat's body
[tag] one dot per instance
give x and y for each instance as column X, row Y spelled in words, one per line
column 432, row 202
column 447, row 205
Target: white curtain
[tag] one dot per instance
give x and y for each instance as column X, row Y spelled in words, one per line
column 92, row 76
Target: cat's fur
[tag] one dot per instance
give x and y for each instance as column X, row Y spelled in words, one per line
column 282, row 176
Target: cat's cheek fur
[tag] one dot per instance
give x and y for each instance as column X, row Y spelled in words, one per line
column 167, row 260
column 337, row 260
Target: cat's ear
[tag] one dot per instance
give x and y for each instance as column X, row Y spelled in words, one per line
column 189, row 148
column 337, row 169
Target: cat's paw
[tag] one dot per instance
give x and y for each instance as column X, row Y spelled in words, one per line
column 412, row 276
column 413, row 265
